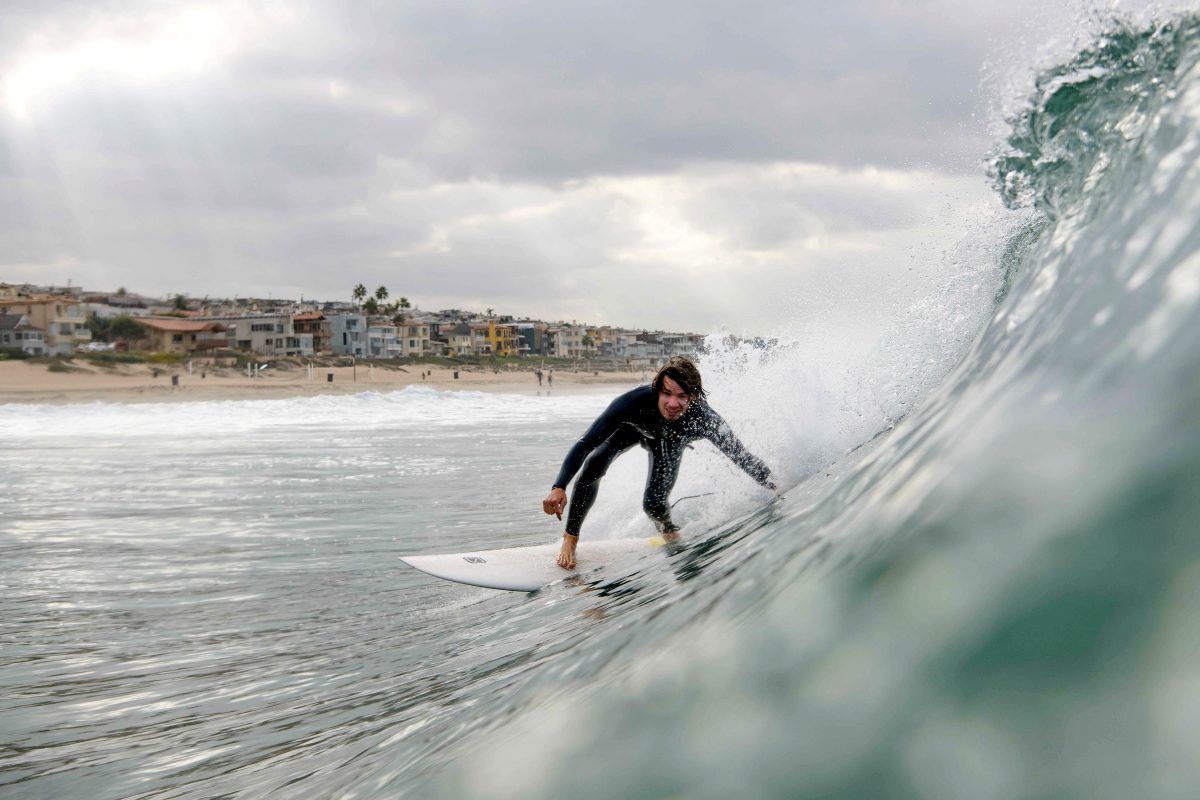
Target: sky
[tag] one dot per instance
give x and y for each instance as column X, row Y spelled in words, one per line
column 691, row 165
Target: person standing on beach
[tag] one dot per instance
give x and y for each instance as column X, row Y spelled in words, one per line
column 663, row 418
column 550, row 378
column 538, row 372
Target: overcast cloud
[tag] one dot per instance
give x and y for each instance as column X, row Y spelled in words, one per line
column 678, row 164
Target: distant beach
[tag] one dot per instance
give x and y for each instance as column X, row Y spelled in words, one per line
column 24, row 382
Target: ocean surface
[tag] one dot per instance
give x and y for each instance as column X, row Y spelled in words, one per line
column 983, row 581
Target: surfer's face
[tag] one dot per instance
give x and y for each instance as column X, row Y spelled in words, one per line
column 673, row 401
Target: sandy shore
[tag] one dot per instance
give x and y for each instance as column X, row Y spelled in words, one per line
column 22, row 382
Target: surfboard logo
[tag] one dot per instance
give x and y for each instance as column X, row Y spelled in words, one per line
column 474, row 560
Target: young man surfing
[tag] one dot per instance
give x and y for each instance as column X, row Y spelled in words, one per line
column 663, row 418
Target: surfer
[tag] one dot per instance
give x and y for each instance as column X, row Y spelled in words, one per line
column 663, row 418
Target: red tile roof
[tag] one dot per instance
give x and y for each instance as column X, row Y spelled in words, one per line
column 176, row 325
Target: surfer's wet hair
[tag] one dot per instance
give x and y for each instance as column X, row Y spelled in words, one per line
column 681, row 370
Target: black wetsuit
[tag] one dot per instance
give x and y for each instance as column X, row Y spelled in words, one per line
column 634, row 418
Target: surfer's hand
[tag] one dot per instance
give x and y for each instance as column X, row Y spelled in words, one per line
column 566, row 555
column 555, row 502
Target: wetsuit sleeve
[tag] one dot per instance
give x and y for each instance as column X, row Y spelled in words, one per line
column 720, row 434
column 600, row 430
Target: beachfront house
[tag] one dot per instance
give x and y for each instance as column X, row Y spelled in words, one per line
column 626, row 344
column 60, row 317
column 17, row 333
column 502, row 340
column 348, row 334
column 460, row 341
column 182, row 336
column 679, row 344
column 639, row 349
column 532, row 339
column 415, row 339
column 603, row 340
column 566, row 341
column 382, row 341
column 479, row 338
column 316, row 325
column 265, row 334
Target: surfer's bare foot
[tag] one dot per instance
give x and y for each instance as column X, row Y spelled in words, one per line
column 566, row 555
column 671, row 536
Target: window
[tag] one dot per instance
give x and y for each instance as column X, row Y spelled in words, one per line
column 178, row 337
column 263, row 327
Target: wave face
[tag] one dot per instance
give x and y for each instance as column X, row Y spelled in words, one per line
column 993, row 597
column 998, row 598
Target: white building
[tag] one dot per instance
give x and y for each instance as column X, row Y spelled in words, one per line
column 382, row 341
column 108, row 311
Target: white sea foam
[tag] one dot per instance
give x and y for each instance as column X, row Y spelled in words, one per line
column 414, row 406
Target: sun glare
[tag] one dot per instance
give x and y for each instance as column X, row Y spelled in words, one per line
column 187, row 42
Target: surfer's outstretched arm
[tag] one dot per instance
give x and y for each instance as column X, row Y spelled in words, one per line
column 720, row 434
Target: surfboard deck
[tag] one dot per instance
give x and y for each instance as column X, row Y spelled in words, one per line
column 527, row 569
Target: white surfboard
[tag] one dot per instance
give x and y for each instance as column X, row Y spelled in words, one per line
column 527, row 569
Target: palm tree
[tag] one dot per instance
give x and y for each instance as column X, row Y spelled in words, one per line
column 371, row 306
column 381, row 293
column 359, row 294
column 489, row 312
column 399, row 308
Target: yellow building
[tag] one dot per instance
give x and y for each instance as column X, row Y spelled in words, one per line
column 503, row 339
